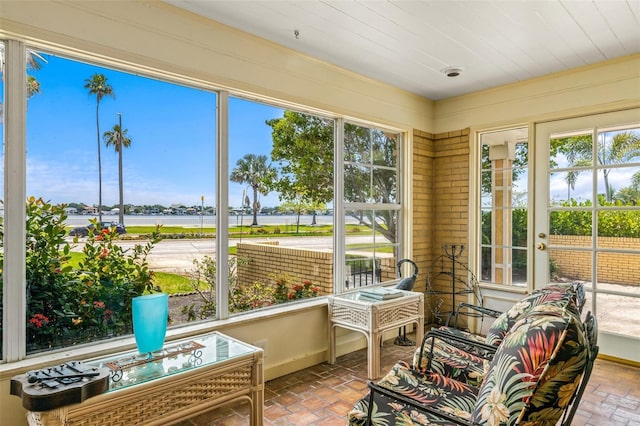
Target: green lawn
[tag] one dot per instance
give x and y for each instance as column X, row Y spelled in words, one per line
column 169, row 283
column 175, row 283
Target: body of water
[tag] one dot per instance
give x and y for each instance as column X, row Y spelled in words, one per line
column 196, row 221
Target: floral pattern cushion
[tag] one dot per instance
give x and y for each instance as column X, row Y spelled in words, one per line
column 434, row 390
column 461, row 333
column 507, row 319
column 461, row 362
column 451, row 361
column 534, row 372
column 575, row 289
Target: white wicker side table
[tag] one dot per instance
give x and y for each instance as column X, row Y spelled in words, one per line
column 179, row 384
column 373, row 318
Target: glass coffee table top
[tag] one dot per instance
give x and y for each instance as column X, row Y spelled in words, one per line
column 132, row 367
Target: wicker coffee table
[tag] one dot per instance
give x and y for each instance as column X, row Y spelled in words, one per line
column 188, row 377
column 372, row 318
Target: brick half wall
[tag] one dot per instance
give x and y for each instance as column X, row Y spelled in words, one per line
column 266, row 259
column 613, row 268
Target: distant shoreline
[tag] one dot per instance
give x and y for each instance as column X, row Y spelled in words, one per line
column 196, row 221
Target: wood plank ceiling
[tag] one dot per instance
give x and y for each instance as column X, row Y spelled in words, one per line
column 408, row 43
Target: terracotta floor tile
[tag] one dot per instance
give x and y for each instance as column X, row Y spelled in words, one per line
column 303, row 418
column 323, row 394
column 314, row 403
column 273, row 412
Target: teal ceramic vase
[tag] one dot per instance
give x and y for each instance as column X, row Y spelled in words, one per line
column 150, row 313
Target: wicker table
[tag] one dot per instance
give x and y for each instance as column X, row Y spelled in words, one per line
column 372, row 318
column 188, row 377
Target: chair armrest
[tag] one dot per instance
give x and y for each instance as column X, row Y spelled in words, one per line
column 375, row 388
column 474, row 311
column 480, row 349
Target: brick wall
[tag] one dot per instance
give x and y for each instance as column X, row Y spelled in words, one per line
column 268, row 258
column 423, row 204
column 613, row 268
column 451, row 194
column 440, row 208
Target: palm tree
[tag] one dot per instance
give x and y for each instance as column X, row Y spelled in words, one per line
column 98, row 86
column 630, row 195
column 253, row 170
column 621, row 149
column 34, row 62
column 33, row 86
column 119, row 140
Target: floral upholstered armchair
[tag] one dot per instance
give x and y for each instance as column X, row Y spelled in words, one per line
column 462, row 356
column 533, row 377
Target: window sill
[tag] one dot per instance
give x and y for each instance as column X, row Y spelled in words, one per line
column 113, row 346
column 505, row 288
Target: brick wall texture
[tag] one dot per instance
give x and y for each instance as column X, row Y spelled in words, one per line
column 613, row 268
column 268, row 259
column 440, row 214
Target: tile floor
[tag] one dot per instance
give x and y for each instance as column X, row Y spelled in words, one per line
column 322, row 395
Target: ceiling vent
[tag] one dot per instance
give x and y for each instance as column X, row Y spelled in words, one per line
column 452, row 71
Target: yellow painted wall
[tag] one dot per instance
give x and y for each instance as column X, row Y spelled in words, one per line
column 606, row 86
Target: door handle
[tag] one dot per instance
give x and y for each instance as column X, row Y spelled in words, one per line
column 542, row 246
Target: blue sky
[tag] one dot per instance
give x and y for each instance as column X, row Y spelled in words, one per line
column 172, row 128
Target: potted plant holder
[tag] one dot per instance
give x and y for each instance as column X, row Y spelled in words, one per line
column 150, row 312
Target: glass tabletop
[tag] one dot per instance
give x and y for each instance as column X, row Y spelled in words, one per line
column 361, row 296
column 132, row 368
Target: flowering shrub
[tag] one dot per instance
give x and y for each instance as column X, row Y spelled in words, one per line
column 204, row 272
column 242, row 296
column 66, row 304
column 245, row 297
column 304, row 291
column 285, row 291
column 107, row 278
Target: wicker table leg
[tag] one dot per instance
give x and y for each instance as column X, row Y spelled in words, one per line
column 55, row 417
column 373, row 354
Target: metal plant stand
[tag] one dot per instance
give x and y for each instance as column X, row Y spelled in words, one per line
column 463, row 285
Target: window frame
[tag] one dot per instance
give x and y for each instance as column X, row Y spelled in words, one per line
column 344, row 206
column 14, row 128
column 476, row 207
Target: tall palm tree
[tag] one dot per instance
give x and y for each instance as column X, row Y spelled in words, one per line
column 253, row 170
column 34, row 62
column 98, row 86
column 118, row 140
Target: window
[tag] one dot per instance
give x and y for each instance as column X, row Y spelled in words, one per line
column 594, row 218
column 108, row 147
column 280, row 185
column 371, row 205
column 587, row 221
column 112, row 155
column 504, row 206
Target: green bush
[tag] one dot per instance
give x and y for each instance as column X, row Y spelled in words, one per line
column 611, row 223
column 73, row 304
